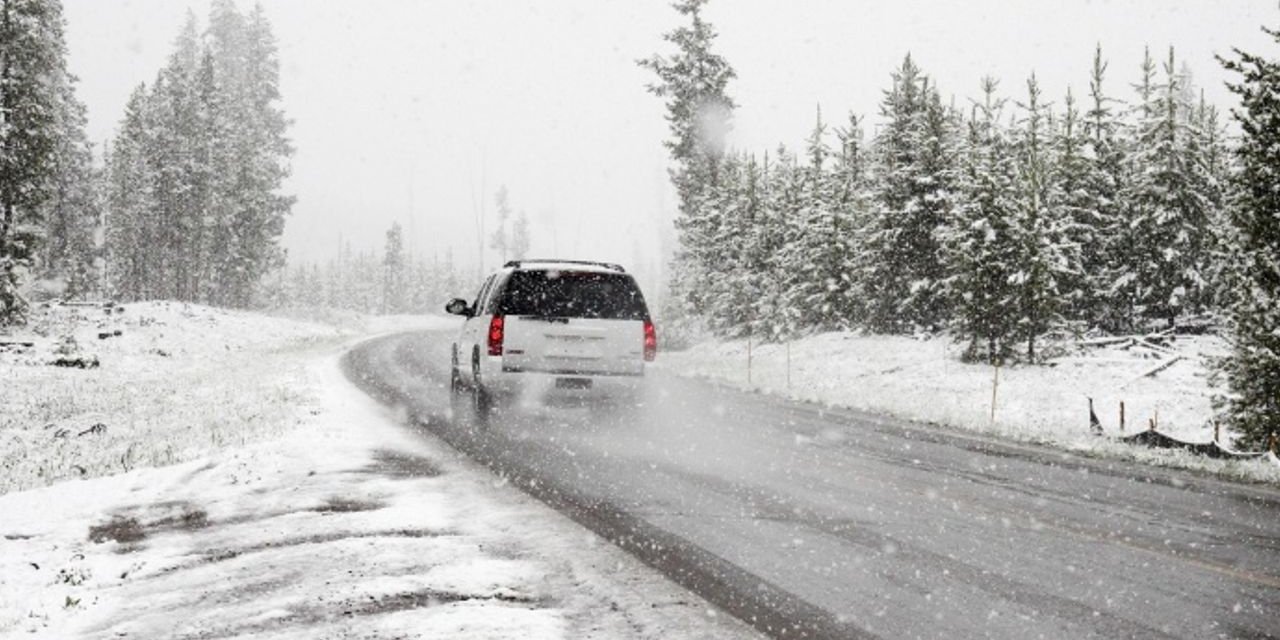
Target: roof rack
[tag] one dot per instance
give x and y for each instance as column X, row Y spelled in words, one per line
column 608, row 265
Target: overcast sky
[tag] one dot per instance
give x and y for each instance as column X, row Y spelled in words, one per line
column 411, row 110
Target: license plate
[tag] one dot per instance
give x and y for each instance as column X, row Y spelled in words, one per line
column 573, row 383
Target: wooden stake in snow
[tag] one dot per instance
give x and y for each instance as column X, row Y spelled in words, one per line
column 1216, row 431
column 995, row 386
column 1095, row 425
column 1122, row 416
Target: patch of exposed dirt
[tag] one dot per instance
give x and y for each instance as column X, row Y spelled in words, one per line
column 220, row 555
column 338, row 504
column 128, row 526
column 427, row 598
column 397, row 464
column 118, row 529
column 300, row 616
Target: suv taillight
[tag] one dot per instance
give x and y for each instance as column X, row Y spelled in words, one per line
column 650, row 341
column 495, row 336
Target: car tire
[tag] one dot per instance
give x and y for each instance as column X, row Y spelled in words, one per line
column 482, row 402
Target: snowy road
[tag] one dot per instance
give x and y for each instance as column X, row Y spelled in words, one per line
column 848, row 525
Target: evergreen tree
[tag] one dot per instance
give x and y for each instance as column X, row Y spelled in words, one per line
column 34, row 87
column 500, row 240
column 748, row 262
column 719, row 253
column 73, row 211
column 180, row 176
column 818, row 255
column 981, row 243
column 393, row 271
column 912, row 199
column 1083, row 227
column 851, row 184
column 694, row 83
column 1252, row 372
column 1046, row 258
column 520, row 239
column 774, row 317
column 1106, row 236
column 1210, row 144
column 130, row 203
column 1170, row 196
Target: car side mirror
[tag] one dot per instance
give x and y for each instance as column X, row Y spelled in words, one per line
column 458, row 307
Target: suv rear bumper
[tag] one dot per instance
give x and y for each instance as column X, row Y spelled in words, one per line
column 576, row 373
column 507, row 380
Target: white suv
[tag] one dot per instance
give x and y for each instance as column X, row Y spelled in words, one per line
column 551, row 327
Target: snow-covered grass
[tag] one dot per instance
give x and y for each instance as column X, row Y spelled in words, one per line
column 303, row 509
column 925, row 380
column 178, row 381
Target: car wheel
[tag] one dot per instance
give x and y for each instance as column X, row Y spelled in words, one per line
column 456, row 384
column 459, row 404
column 481, row 398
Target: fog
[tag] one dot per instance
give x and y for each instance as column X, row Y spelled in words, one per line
column 418, row 111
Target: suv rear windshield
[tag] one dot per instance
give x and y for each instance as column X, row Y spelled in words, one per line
column 573, row 294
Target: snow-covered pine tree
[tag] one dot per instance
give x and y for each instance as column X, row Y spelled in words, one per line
column 774, row 318
column 129, row 202
column 1211, row 144
column 696, row 261
column 980, row 242
column 500, row 240
column 818, row 254
column 393, row 271
column 718, row 255
column 853, row 201
column 746, row 266
column 765, row 237
column 214, row 153
column 1084, row 230
column 520, row 238
column 73, row 212
column 33, row 87
column 912, row 199
column 694, row 83
column 250, row 158
column 1047, row 257
column 175, row 163
column 1170, row 201
column 1107, row 302
column 265, row 164
column 1251, row 373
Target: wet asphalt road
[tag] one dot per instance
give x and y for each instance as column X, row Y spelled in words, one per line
column 812, row 523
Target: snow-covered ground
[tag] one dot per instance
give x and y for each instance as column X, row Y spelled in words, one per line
column 304, row 509
column 925, row 380
column 178, row 381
